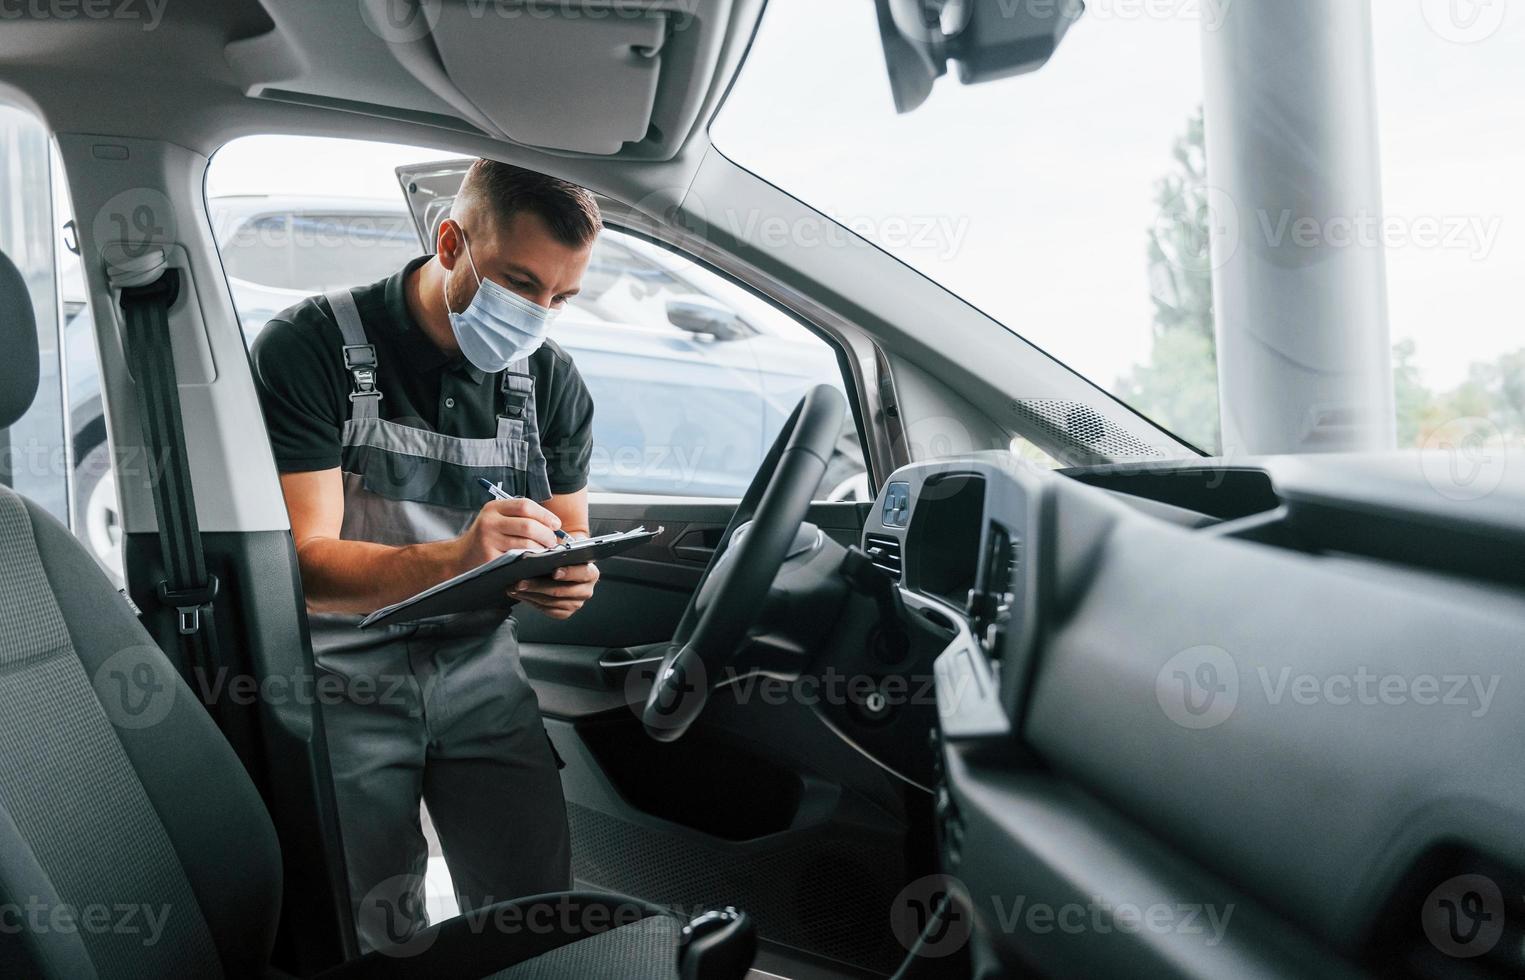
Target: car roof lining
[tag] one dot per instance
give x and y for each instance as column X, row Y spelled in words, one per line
column 205, row 74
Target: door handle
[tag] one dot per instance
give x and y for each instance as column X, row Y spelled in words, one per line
column 617, row 663
column 698, row 544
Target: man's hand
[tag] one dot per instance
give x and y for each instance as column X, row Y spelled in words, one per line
column 505, row 525
column 562, row 593
column 341, row 576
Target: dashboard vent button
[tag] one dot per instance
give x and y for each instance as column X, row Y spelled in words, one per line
column 884, row 552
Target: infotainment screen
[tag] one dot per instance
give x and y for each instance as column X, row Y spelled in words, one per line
column 943, row 541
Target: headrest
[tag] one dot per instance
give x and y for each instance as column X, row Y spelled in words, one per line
column 19, row 360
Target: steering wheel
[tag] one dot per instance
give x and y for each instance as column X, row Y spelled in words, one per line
column 758, row 540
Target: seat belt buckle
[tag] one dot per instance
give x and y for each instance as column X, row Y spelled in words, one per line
column 360, row 362
column 189, row 603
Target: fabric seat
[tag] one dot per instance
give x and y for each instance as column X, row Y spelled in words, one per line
column 133, row 844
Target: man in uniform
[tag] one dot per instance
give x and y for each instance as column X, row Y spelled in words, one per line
column 386, row 405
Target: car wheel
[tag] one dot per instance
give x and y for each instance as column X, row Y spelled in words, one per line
column 96, row 511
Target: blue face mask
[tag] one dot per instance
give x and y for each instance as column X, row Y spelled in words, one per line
column 499, row 326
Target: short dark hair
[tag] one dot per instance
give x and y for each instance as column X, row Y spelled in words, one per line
column 504, row 190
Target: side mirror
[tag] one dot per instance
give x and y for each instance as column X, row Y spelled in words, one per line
column 987, row 39
column 702, row 316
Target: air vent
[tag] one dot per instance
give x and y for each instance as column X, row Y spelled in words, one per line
column 884, row 552
column 1084, row 430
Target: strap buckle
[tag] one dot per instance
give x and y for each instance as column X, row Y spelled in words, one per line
column 516, row 397
column 189, row 602
column 360, row 362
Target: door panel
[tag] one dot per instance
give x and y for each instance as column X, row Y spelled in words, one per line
column 760, row 805
column 642, row 593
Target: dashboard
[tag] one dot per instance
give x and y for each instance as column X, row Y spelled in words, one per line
column 1088, row 616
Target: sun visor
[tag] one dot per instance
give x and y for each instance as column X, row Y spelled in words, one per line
column 626, row 78
column 568, row 78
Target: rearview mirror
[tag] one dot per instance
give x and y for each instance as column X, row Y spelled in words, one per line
column 701, row 316
column 989, row 39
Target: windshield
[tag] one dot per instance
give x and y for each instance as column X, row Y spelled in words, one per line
column 1051, row 201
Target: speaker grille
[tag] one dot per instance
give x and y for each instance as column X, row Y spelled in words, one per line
column 1078, row 426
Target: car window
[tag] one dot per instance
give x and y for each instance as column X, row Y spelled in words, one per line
column 692, row 375
column 313, row 251
column 57, row 454
column 623, row 285
column 26, row 238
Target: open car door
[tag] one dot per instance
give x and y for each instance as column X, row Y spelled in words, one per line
column 761, row 805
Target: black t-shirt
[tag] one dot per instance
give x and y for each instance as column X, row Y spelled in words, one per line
column 304, row 388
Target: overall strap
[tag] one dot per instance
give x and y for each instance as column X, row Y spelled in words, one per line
column 518, row 386
column 359, row 355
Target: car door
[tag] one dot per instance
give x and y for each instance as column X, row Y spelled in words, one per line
column 761, row 805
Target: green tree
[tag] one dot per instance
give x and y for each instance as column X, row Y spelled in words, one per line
column 1415, row 403
column 1178, row 387
column 1500, row 385
column 1492, row 396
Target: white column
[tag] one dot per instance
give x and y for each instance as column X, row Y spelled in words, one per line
column 1299, row 281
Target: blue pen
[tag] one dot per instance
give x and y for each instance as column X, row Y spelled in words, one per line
column 499, row 493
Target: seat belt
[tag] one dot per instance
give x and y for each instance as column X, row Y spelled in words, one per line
column 187, row 586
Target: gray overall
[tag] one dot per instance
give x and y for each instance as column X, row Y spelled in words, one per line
column 439, row 709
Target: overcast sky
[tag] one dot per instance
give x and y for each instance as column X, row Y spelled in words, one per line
column 1032, row 196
